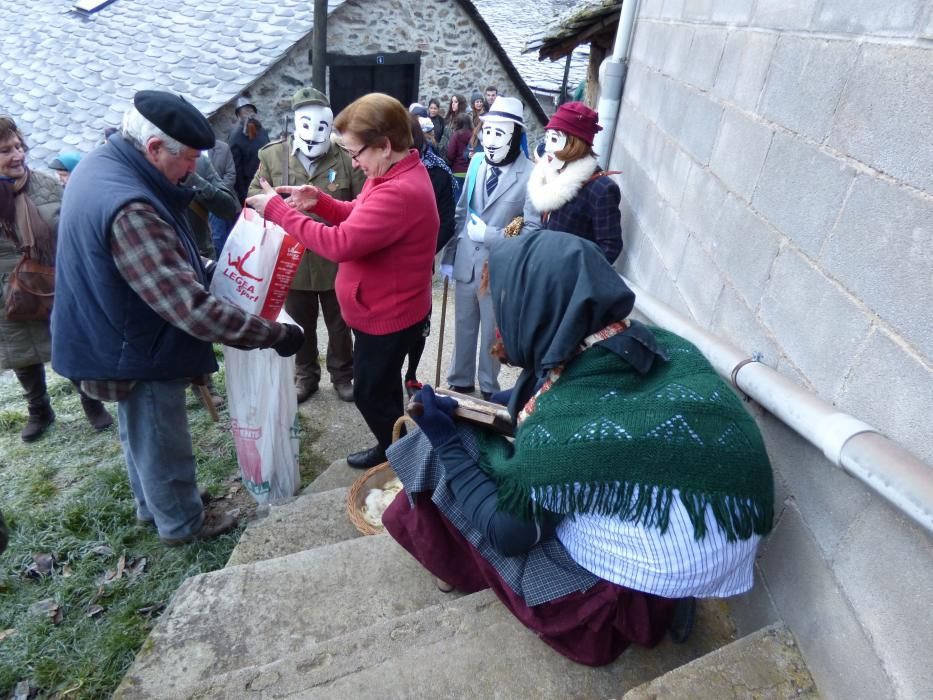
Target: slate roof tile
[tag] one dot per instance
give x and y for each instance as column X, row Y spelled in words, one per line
column 71, row 68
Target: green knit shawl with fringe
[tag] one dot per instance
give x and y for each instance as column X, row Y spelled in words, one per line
column 604, row 437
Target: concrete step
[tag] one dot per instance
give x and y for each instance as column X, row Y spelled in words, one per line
column 255, row 613
column 337, row 476
column 461, row 648
column 308, row 521
column 765, row 664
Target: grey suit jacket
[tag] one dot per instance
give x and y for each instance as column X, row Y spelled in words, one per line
column 497, row 211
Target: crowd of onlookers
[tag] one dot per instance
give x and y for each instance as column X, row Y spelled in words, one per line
column 636, row 480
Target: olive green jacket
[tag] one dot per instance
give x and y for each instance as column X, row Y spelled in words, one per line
column 314, row 273
column 24, row 343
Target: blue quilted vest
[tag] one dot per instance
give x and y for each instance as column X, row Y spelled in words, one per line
column 101, row 329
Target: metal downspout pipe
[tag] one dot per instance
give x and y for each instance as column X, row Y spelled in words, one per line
column 863, row 452
column 612, row 80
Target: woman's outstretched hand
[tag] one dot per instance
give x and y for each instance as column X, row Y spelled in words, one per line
column 300, row 197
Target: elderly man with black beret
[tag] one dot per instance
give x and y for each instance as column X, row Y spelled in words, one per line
column 133, row 319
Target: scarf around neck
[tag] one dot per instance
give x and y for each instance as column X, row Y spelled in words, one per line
column 21, row 222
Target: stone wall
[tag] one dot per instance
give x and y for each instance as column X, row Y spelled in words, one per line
column 778, row 187
column 455, row 57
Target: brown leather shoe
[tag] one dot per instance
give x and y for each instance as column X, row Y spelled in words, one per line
column 305, row 390
column 344, row 391
column 214, row 525
column 97, row 414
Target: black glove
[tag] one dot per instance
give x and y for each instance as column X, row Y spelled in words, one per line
column 437, row 420
column 291, row 342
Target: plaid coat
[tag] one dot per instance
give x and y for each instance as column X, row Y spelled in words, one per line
column 593, row 214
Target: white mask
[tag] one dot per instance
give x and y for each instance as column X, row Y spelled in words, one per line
column 312, row 130
column 497, row 138
column 554, row 141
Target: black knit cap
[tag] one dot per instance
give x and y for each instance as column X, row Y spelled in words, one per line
column 177, row 117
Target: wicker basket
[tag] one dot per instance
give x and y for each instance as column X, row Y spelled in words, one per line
column 374, row 478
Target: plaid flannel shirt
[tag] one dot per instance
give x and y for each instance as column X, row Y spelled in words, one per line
column 153, row 262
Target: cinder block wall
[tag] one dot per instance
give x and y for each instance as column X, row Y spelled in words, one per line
column 777, row 160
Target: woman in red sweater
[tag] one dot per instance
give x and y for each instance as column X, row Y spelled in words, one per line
column 384, row 241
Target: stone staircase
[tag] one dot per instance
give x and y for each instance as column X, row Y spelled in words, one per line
column 308, row 608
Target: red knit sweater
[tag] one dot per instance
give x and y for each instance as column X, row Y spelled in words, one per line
column 384, row 241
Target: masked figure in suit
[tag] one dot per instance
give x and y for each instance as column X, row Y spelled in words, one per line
column 494, row 194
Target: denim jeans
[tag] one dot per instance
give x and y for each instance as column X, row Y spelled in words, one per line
column 220, row 229
column 159, row 457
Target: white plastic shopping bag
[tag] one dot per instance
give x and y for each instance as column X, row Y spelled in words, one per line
column 264, row 419
column 257, row 265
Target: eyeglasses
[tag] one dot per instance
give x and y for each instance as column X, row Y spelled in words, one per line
column 355, row 156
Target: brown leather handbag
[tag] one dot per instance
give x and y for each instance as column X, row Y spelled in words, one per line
column 30, row 291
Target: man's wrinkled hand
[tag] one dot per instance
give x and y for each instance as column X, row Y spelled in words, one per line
column 291, row 342
column 259, row 201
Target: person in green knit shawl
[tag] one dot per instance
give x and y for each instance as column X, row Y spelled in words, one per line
column 636, row 480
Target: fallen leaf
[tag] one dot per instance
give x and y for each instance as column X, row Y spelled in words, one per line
column 121, row 565
column 25, row 691
column 7, row 633
column 135, row 567
column 95, row 610
column 66, row 571
column 102, row 550
column 48, row 607
column 151, row 610
column 42, row 565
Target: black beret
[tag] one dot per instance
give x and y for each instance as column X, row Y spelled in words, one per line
column 176, row 117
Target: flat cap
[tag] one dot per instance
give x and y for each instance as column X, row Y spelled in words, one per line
column 309, row 96
column 177, row 117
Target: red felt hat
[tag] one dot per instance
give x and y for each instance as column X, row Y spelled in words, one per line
column 577, row 119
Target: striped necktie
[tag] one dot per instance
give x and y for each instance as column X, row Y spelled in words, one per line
column 492, row 180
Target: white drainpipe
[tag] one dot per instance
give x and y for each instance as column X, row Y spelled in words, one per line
column 611, row 81
column 883, row 465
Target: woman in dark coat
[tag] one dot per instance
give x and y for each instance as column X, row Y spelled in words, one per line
column 29, row 208
column 567, row 191
column 446, row 191
column 457, row 147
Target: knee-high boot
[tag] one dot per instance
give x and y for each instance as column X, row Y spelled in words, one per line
column 41, row 415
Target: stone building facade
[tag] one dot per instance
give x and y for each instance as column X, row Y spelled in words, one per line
column 777, row 176
column 455, row 57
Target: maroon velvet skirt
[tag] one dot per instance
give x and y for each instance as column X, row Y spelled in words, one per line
column 591, row 628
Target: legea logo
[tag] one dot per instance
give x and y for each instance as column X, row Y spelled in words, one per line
column 236, row 271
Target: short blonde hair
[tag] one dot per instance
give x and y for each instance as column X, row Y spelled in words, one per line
column 376, row 117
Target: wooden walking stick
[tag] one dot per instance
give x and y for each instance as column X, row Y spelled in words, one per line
column 208, row 401
column 440, row 335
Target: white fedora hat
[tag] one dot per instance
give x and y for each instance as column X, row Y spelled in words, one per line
column 505, row 109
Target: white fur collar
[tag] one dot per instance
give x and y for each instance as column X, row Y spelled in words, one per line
column 550, row 190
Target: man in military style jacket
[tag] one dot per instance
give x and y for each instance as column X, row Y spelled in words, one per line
column 313, row 159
